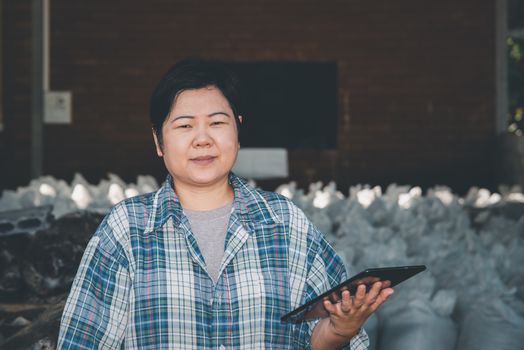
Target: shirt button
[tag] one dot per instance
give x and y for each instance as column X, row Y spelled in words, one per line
column 222, row 347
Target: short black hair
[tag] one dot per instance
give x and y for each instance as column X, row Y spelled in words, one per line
column 187, row 74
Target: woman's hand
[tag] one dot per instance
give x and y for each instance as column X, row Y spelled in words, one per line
column 347, row 316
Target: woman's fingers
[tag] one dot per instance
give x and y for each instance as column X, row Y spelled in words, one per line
column 341, row 305
column 360, row 295
column 371, row 299
column 362, row 301
column 347, row 301
column 381, row 298
column 373, row 293
column 331, row 308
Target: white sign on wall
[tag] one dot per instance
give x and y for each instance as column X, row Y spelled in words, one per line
column 262, row 163
column 57, row 107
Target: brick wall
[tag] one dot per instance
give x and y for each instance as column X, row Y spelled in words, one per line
column 416, row 82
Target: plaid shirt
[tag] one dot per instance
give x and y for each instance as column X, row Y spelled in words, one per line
column 142, row 282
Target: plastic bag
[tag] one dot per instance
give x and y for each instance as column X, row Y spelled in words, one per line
column 415, row 326
column 371, row 328
column 491, row 325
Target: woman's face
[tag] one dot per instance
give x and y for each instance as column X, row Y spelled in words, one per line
column 200, row 140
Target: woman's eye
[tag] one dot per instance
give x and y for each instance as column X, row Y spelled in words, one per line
column 185, row 126
column 217, row 123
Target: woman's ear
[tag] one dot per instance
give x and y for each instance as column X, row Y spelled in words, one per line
column 240, row 119
column 157, row 145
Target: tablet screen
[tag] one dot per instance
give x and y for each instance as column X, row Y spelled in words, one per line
column 390, row 276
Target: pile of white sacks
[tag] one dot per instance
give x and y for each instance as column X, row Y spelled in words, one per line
column 78, row 195
column 470, row 297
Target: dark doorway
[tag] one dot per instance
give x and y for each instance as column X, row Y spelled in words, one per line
column 291, row 105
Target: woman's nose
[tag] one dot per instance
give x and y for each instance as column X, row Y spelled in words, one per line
column 202, row 137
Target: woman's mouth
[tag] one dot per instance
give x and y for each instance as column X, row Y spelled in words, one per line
column 204, row 160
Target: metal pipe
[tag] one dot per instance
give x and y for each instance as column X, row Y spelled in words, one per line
column 46, row 52
column 501, row 67
column 37, row 95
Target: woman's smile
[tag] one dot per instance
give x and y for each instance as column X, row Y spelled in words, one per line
column 204, row 160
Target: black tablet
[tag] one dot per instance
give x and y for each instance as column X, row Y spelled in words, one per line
column 391, row 276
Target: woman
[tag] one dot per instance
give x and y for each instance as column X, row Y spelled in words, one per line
column 207, row 261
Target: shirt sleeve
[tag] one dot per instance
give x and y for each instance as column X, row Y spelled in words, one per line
column 325, row 272
column 95, row 313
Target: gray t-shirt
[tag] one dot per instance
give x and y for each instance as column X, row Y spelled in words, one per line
column 210, row 228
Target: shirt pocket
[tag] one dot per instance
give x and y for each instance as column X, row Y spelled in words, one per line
column 264, row 290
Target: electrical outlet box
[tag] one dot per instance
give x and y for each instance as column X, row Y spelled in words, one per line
column 57, row 107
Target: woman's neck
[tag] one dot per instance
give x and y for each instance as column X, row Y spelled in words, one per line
column 206, row 197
